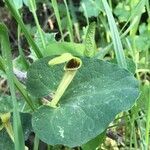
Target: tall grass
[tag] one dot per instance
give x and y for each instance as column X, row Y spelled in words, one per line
column 115, row 36
column 70, row 27
column 56, row 11
column 33, row 9
column 18, row 18
column 6, row 53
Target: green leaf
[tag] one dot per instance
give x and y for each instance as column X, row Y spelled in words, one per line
column 6, row 54
column 5, row 141
column 90, row 45
column 35, row 75
column 122, row 11
column 57, row 48
column 26, row 124
column 18, row 64
column 57, row 14
column 130, row 64
column 49, row 37
column 94, row 143
column 141, row 41
column 93, row 7
column 28, row 4
column 18, row 4
column 5, row 104
column 98, row 92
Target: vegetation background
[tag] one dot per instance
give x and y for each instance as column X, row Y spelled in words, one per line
column 47, row 21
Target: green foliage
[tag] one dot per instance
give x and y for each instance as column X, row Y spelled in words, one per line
column 118, row 48
column 122, row 11
column 98, row 91
column 56, row 48
column 94, row 143
column 56, row 11
column 141, row 41
column 48, row 39
column 6, row 143
column 92, row 7
column 23, row 27
column 6, row 105
column 6, row 53
column 130, row 65
column 79, row 112
column 19, row 3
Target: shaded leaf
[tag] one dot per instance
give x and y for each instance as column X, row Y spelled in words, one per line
column 99, row 91
column 130, row 64
column 5, row 104
column 5, row 141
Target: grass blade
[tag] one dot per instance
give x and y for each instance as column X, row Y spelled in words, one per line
column 16, row 15
column 70, row 28
column 19, row 86
column 21, row 53
column 115, row 36
column 33, row 9
column 147, row 136
column 137, row 11
column 56, row 11
column 6, row 52
column 74, row 20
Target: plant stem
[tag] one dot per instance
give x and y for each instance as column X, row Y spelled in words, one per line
column 148, row 117
column 9, row 130
column 56, row 11
column 66, row 80
column 73, row 64
column 36, row 143
column 6, row 123
column 6, row 53
column 37, row 23
column 22, row 56
column 75, row 21
column 49, row 147
column 70, row 28
column 85, row 13
column 24, row 93
column 8, row 126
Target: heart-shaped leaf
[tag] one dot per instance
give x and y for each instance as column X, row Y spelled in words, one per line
column 98, row 92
